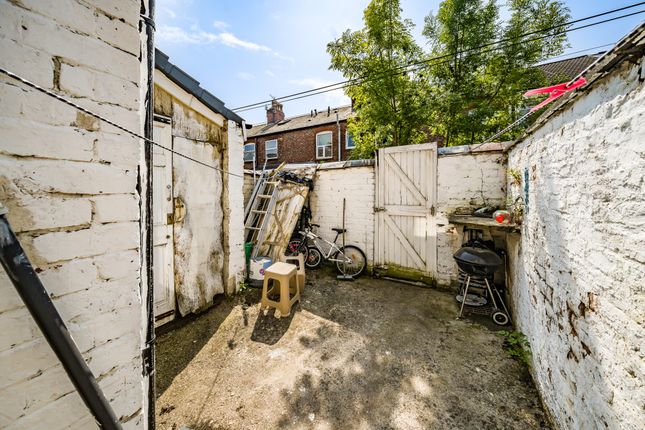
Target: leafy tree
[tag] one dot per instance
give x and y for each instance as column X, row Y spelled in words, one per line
column 392, row 104
column 479, row 91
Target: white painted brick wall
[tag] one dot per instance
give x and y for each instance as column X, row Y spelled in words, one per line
column 580, row 263
column 463, row 181
column 236, row 256
column 356, row 185
column 70, row 184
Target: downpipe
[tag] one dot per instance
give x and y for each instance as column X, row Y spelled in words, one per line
column 36, row 299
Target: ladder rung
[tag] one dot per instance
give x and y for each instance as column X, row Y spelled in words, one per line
column 264, row 196
column 255, row 211
column 272, row 183
column 253, row 228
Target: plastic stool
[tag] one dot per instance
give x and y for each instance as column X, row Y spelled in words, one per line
column 281, row 274
column 299, row 260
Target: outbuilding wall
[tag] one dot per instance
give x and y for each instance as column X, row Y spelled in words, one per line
column 577, row 283
column 208, row 242
column 465, row 181
column 70, row 184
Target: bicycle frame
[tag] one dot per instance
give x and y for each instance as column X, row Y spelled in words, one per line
column 333, row 248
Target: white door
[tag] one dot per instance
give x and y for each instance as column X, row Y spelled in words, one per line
column 162, row 208
column 406, row 191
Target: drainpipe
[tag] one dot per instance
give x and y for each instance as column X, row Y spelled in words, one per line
column 36, row 299
column 149, row 349
column 338, row 127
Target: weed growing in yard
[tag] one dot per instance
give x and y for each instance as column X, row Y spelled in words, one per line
column 515, row 176
column 242, row 287
column 517, row 345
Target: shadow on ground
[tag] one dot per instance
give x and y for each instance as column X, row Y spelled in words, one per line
column 370, row 354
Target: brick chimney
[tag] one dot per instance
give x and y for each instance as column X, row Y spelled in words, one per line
column 275, row 113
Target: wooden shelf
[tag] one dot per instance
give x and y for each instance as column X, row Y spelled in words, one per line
column 482, row 222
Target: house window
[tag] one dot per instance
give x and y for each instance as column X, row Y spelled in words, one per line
column 323, row 145
column 349, row 141
column 271, row 149
column 249, row 152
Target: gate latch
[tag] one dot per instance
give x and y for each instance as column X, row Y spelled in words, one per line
column 376, row 209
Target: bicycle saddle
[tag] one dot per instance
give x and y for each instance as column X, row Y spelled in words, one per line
column 339, row 230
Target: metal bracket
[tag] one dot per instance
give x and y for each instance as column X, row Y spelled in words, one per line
column 146, row 355
column 376, row 209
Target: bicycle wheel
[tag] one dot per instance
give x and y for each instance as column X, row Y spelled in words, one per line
column 313, row 258
column 357, row 265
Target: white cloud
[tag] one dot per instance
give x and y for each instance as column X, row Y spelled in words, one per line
column 270, row 74
column 220, row 25
column 196, row 36
column 245, row 76
column 229, row 39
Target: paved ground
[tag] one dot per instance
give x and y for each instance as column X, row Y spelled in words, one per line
column 371, row 354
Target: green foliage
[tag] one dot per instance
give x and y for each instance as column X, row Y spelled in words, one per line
column 480, row 91
column 242, row 287
column 462, row 97
column 392, row 105
column 517, row 345
column 515, row 176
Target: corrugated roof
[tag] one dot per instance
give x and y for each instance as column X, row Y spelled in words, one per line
column 188, row 83
column 301, row 121
column 568, row 68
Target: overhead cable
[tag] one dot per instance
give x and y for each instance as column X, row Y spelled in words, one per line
column 112, row 123
column 431, row 61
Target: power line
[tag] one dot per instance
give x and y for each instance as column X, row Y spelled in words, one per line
column 112, row 123
column 428, row 62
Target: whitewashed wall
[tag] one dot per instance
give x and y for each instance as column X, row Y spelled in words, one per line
column 208, row 241
column 235, row 206
column 462, row 178
column 356, row 185
column 70, row 183
column 580, row 263
column 465, row 182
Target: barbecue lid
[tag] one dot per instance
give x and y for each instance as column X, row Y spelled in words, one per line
column 478, row 256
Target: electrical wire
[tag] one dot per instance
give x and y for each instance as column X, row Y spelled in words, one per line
column 429, row 62
column 112, row 123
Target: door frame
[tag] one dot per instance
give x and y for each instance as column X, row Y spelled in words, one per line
column 167, row 269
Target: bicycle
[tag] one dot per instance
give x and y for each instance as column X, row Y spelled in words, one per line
column 350, row 260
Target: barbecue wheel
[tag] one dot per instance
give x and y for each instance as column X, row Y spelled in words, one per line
column 500, row 317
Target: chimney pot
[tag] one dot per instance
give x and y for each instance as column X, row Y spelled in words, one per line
column 275, row 113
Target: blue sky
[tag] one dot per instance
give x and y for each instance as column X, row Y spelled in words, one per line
column 246, row 51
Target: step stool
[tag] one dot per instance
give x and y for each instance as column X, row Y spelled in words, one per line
column 298, row 260
column 281, row 275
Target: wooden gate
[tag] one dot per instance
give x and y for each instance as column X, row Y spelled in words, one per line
column 406, row 194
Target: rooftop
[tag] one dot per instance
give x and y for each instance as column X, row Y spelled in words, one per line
column 569, row 67
column 191, row 85
column 302, row 121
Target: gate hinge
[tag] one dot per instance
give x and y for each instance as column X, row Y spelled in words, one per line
column 433, row 211
column 379, row 209
column 148, row 360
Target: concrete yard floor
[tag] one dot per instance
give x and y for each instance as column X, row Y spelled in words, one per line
column 370, row 354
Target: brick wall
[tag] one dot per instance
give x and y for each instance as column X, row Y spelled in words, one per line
column 578, row 283
column 70, row 184
column 299, row 146
column 463, row 182
column 356, row 185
